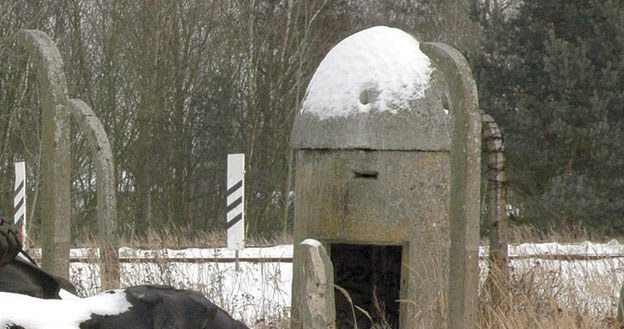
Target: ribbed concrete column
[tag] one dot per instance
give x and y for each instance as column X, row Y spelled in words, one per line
column 498, row 274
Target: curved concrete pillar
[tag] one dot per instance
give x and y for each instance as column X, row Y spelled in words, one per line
column 102, row 155
column 56, row 108
column 464, row 206
column 55, row 162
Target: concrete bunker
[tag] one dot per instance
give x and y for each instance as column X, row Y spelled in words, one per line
column 388, row 148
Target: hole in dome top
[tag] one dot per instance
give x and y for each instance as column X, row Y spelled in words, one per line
column 364, row 97
column 369, row 94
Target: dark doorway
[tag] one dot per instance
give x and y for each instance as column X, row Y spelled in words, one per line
column 371, row 275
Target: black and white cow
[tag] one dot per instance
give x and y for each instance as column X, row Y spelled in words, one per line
column 158, row 307
column 23, row 277
column 19, row 274
column 139, row 307
column 162, row 307
column 29, row 299
column 225, row 321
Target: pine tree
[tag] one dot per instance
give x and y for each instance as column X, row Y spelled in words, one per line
column 552, row 75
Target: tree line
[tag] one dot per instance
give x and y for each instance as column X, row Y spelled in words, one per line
column 180, row 84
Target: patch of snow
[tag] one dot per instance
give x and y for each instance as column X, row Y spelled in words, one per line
column 311, row 242
column 612, row 248
column 380, row 68
column 252, row 252
column 35, row 313
column 283, row 251
column 64, row 294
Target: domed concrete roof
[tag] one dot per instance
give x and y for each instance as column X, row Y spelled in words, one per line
column 374, row 90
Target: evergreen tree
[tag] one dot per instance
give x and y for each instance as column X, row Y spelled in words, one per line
column 552, row 74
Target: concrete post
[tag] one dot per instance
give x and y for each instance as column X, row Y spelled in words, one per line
column 105, row 186
column 317, row 298
column 464, row 206
column 55, row 149
column 498, row 274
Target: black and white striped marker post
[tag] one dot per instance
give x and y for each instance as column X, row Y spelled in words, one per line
column 236, row 203
column 19, row 199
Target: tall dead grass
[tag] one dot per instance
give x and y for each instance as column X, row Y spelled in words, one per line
column 541, row 294
column 538, row 294
column 569, row 234
column 544, row 297
column 178, row 238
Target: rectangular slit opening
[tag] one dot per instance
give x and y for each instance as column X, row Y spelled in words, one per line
column 369, row 174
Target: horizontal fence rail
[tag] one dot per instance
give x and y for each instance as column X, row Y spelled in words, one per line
column 192, row 260
column 283, row 254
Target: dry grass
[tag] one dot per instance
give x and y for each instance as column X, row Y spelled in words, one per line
column 538, row 297
column 530, row 234
column 178, row 238
column 542, row 294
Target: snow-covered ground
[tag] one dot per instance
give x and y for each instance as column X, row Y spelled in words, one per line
column 261, row 289
column 586, row 275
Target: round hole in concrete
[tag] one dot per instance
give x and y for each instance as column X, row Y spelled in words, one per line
column 369, row 94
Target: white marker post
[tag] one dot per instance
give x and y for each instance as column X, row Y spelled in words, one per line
column 19, row 199
column 236, row 203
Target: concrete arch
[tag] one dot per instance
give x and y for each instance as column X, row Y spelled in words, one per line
column 55, row 149
column 92, row 127
column 464, row 206
column 56, row 108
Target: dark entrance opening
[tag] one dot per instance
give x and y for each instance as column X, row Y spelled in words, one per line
column 371, row 275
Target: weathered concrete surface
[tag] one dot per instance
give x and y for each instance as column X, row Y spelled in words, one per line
column 317, row 299
column 406, row 204
column 464, row 207
column 102, row 156
column 407, row 198
column 425, row 127
column 55, row 149
column 498, row 273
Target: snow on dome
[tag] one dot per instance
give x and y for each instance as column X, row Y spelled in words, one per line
column 378, row 68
